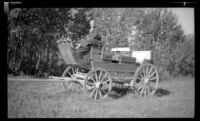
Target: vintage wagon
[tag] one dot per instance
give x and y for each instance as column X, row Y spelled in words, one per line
column 96, row 72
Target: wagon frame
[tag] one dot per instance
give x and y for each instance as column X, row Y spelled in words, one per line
column 102, row 72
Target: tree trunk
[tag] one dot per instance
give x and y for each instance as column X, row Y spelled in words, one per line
column 8, row 53
column 50, row 58
column 15, row 52
column 38, row 62
column 45, row 55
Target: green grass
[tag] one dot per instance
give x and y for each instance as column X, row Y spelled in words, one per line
column 49, row 100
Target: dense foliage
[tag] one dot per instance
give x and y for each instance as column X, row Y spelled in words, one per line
column 33, row 33
column 32, row 38
column 160, row 32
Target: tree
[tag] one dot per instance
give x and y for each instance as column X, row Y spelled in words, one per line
column 115, row 24
column 159, row 32
column 184, row 59
column 33, row 33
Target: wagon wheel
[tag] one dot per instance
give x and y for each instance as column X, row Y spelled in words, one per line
column 70, row 84
column 74, row 86
column 146, row 79
column 98, row 84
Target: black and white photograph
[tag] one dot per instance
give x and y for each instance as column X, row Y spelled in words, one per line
column 100, row 62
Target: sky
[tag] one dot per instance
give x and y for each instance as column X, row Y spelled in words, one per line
column 186, row 18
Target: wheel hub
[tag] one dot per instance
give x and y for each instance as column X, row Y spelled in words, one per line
column 146, row 80
column 98, row 84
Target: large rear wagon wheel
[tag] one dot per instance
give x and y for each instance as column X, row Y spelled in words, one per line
column 146, row 79
column 71, row 84
column 98, row 84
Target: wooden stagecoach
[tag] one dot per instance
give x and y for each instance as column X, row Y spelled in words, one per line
column 95, row 72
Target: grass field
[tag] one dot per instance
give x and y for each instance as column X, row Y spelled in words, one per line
column 174, row 98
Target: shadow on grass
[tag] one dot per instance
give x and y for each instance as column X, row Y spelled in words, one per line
column 162, row 92
column 120, row 92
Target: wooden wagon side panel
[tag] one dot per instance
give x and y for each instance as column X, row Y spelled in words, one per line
column 116, row 67
column 119, row 72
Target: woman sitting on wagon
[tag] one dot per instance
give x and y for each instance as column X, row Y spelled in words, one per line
column 93, row 36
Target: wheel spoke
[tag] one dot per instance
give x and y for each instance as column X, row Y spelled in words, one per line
column 90, row 83
column 143, row 71
column 90, row 87
column 148, row 91
column 92, row 79
column 96, row 94
column 145, row 90
column 140, row 87
column 142, row 75
column 70, row 86
column 142, row 90
column 147, row 69
column 69, row 73
column 96, row 76
column 74, row 71
column 100, row 76
column 150, row 71
column 152, row 78
column 92, row 92
column 140, row 83
column 152, row 74
column 100, row 94
column 106, row 81
column 104, row 77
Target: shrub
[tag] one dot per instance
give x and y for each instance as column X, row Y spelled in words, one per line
column 179, row 60
column 183, row 59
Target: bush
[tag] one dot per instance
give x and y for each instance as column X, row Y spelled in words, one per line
column 183, row 59
column 178, row 61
